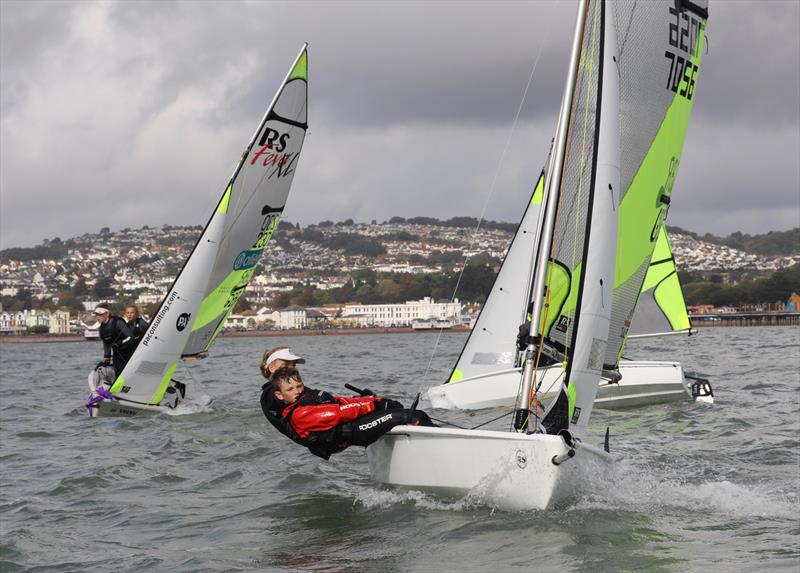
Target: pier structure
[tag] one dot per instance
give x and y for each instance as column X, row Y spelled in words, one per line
column 765, row 318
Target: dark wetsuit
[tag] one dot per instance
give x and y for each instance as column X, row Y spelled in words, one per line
column 117, row 341
column 137, row 326
column 328, row 424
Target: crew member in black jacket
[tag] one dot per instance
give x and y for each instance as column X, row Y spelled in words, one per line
column 328, row 424
column 136, row 324
column 117, row 339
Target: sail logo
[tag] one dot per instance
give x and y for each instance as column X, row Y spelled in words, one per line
column 272, row 139
column 183, row 321
column 165, row 306
column 664, row 200
column 272, row 145
column 271, row 157
column 272, row 153
column 247, row 259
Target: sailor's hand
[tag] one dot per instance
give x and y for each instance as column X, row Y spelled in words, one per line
column 106, row 361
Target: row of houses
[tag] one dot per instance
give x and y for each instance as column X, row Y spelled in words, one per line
column 350, row 315
column 16, row 322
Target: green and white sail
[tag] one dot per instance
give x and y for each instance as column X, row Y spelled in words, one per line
column 577, row 297
column 225, row 256
column 661, row 308
column 491, row 345
column 255, row 198
column 660, row 44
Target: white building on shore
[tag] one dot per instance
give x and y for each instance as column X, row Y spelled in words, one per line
column 406, row 313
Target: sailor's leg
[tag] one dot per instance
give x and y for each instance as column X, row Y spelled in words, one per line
column 367, row 429
column 118, row 361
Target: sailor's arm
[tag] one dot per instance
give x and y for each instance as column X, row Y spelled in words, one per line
column 380, row 403
column 106, row 346
column 124, row 335
column 322, row 417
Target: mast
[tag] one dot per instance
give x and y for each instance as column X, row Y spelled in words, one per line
column 522, row 414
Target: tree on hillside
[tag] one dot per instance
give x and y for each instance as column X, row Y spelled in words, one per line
column 68, row 300
column 104, row 288
column 305, row 297
column 281, row 300
column 80, row 288
column 777, row 287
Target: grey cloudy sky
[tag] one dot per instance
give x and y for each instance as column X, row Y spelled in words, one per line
column 122, row 114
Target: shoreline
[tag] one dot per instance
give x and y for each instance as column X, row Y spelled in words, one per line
column 22, row 338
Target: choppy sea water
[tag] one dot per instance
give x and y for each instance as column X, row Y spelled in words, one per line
column 215, row 488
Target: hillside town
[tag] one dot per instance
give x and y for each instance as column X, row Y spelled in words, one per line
column 138, row 265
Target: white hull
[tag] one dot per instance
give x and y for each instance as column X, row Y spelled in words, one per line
column 118, row 407
column 643, row 383
column 502, row 469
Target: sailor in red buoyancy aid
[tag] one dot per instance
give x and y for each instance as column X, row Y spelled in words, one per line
column 328, row 424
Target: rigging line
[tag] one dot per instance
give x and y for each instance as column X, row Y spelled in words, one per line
column 490, row 194
column 501, row 416
column 446, row 423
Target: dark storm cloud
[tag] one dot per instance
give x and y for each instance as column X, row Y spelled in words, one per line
column 751, row 73
column 130, row 113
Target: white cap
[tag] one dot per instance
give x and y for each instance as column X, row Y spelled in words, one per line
column 101, row 310
column 284, row 354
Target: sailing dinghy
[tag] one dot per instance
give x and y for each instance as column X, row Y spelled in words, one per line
column 219, row 267
column 486, row 374
column 621, row 127
column 488, row 370
column 660, row 311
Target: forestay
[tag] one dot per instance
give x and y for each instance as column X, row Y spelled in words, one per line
column 224, row 258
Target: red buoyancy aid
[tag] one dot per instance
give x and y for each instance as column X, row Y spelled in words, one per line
column 317, row 411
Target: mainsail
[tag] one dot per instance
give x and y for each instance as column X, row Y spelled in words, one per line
column 225, row 256
column 660, row 45
column 653, row 120
column 661, row 308
column 577, row 297
column 255, row 198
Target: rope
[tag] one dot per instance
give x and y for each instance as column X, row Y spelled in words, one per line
column 509, row 413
